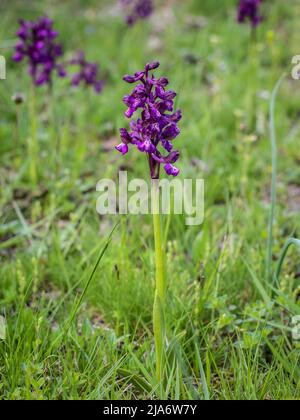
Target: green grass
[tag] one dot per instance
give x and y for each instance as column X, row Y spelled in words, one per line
column 229, row 329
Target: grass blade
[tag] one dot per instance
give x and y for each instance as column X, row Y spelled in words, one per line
column 258, row 284
column 79, row 301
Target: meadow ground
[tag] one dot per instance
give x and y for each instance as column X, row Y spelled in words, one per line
column 229, row 327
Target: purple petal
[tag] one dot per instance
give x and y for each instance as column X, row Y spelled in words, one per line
column 18, row 57
column 122, row 148
column 98, row 86
column 152, row 66
column 167, row 145
column 163, row 81
column 76, row 79
column 125, row 136
column 171, row 170
column 171, row 132
column 61, row 71
column 133, row 79
column 129, row 113
column 176, row 117
column 170, row 95
column 173, row 157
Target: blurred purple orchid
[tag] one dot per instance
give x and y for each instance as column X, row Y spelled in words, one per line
column 137, row 9
column 87, row 74
column 249, row 9
column 37, row 44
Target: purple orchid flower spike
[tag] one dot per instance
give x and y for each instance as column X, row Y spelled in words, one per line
column 156, row 128
column 249, row 9
column 87, row 74
column 137, row 9
column 37, row 44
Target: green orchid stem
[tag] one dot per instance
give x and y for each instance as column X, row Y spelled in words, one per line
column 274, row 178
column 160, row 284
column 17, row 125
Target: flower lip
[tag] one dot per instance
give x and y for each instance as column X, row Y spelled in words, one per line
column 122, row 148
column 171, row 170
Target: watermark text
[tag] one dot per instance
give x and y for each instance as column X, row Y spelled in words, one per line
column 177, row 196
column 2, row 68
